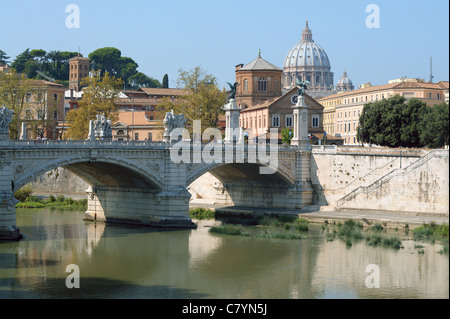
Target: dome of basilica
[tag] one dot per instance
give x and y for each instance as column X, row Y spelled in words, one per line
column 307, row 53
column 308, row 61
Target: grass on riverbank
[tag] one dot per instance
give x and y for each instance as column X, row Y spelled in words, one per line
column 59, row 202
column 351, row 231
column 201, row 213
column 280, row 227
column 433, row 233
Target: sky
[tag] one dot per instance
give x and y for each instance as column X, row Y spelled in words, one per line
column 166, row 36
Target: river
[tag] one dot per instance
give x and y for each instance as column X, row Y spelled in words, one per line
column 117, row 261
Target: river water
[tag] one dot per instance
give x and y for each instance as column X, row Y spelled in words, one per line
column 116, row 261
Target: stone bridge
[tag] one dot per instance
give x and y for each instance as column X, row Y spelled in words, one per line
column 141, row 182
column 146, row 183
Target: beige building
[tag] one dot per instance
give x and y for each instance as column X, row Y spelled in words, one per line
column 341, row 111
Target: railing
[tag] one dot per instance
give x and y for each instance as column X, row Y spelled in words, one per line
column 399, row 171
column 137, row 144
column 86, row 143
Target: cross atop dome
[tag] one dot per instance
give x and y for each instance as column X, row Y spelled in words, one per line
column 307, row 34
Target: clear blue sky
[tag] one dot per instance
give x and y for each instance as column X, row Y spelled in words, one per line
column 164, row 36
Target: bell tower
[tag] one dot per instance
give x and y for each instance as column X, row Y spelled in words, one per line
column 78, row 70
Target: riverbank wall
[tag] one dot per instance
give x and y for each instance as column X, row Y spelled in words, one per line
column 398, row 181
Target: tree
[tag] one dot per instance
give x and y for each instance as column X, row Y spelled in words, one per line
column 397, row 123
column 110, row 60
column 434, row 126
column 3, row 58
column 203, row 99
column 165, row 82
column 99, row 97
column 139, row 80
column 286, row 135
column 14, row 88
column 40, row 57
column 19, row 63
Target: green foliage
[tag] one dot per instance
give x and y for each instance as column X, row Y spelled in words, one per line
column 99, row 97
column 229, row 229
column 394, row 122
column 201, row 213
column 165, row 82
column 139, row 80
column 3, row 58
column 110, row 60
column 435, row 126
column 203, row 100
column 286, row 135
column 431, row 232
column 23, row 193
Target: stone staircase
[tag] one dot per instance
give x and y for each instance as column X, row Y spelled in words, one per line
column 387, row 177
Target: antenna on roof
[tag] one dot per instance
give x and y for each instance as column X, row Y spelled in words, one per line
column 431, row 70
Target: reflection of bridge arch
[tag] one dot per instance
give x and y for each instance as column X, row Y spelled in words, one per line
column 107, row 172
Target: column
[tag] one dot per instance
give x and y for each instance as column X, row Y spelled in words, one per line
column 300, row 115
column 232, row 130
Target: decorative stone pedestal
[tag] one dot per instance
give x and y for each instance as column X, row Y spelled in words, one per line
column 301, row 112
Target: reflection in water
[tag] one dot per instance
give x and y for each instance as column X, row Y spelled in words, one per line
column 137, row 262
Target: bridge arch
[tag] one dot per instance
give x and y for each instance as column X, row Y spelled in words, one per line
column 229, row 172
column 105, row 172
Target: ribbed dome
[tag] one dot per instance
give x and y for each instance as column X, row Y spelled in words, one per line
column 345, row 84
column 345, row 80
column 307, row 53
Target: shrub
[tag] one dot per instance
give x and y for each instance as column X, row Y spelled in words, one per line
column 23, row 193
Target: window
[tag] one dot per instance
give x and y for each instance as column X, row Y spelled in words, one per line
column 438, row 95
column 136, row 136
column 150, row 137
column 262, row 85
column 55, row 97
column 245, row 85
column 120, row 132
column 315, row 121
column 55, row 115
column 276, row 121
column 28, row 98
column 289, row 120
column 430, row 95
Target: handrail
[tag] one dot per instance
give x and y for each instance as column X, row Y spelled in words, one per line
column 384, row 179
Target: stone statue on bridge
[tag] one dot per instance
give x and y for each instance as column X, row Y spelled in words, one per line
column 6, row 116
column 102, row 127
column 171, row 122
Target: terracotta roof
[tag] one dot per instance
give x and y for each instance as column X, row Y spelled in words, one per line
column 398, row 85
column 43, row 82
column 166, row 92
column 259, row 64
column 443, row 85
column 261, row 105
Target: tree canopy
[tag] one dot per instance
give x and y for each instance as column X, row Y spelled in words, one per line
column 3, row 58
column 395, row 122
column 98, row 98
column 203, row 101
column 55, row 64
